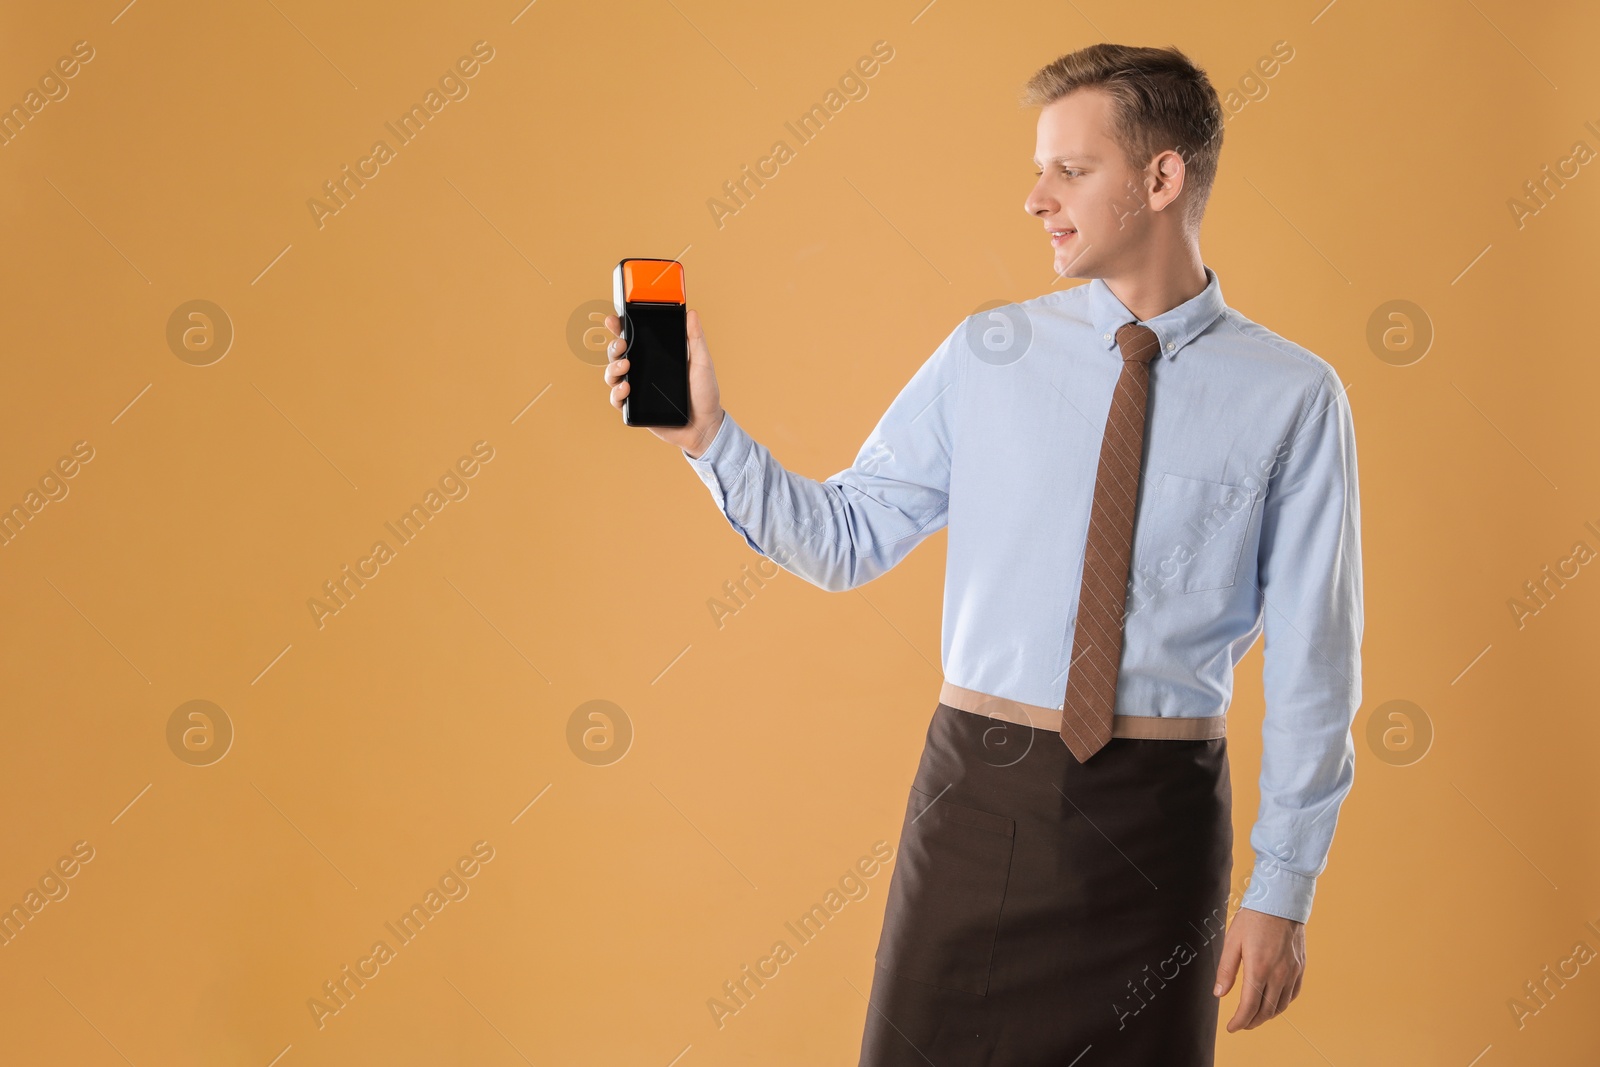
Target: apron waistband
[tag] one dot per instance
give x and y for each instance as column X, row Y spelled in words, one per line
column 1043, row 718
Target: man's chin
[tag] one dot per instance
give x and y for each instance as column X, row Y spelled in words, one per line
column 1074, row 269
column 1073, row 265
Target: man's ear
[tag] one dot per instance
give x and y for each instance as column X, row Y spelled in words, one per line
column 1167, row 179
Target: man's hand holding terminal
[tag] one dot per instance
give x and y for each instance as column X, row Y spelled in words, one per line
column 705, row 405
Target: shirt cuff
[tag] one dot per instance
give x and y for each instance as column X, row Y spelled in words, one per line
column 720, row 465
column 723, row 468
column 1276, row 890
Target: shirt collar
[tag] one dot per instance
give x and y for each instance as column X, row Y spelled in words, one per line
column 1174, row 328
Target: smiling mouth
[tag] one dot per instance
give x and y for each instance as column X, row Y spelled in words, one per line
column 1058, row 237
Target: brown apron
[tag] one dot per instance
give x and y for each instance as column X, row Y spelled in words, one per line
column 1046, row 911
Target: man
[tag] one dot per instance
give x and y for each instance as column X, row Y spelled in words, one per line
column 1138, row 482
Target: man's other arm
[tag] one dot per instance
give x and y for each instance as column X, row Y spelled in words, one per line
column 1310, row 577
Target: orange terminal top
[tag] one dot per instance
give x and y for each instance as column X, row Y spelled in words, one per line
column 657, row 281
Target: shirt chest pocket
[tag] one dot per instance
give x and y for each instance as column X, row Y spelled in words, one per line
column 1192, row 535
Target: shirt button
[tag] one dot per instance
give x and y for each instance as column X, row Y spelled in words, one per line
column 1171, row 345
column 1107, row 337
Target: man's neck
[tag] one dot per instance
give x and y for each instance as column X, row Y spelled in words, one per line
column 1166, row 278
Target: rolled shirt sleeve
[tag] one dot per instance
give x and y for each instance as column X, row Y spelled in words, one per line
column 1310, row 578
column 855, row 525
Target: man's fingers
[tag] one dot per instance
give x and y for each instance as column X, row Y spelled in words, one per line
column 1275, row 1000
column 1249, row 1001
column 698, row 352
column 1231, row 956
column 615, row 346
column 1269, row 969
column 1271, row 992
column 1276, row 992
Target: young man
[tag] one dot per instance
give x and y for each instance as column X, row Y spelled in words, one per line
column 1136, row 487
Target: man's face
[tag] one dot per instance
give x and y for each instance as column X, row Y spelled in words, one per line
column 1086, row 187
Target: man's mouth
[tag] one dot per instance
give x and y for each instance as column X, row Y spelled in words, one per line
column 1061, row 237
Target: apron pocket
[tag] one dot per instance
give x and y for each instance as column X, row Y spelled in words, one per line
column 944, row 902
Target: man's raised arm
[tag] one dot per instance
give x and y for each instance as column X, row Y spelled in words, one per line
column 855, row 525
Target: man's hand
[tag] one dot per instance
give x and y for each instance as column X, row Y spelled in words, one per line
column 1273, row 952
column 705, row 401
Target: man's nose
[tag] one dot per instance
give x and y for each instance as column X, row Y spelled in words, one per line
column 1037, row 203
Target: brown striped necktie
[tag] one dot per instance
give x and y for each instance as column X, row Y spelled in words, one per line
column 1103, row 597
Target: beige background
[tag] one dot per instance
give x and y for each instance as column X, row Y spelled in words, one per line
column 770, row 753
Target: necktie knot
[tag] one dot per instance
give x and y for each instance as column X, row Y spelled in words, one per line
column 1138, row 343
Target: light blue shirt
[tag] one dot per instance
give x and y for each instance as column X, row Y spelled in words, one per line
column 1247, row 520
